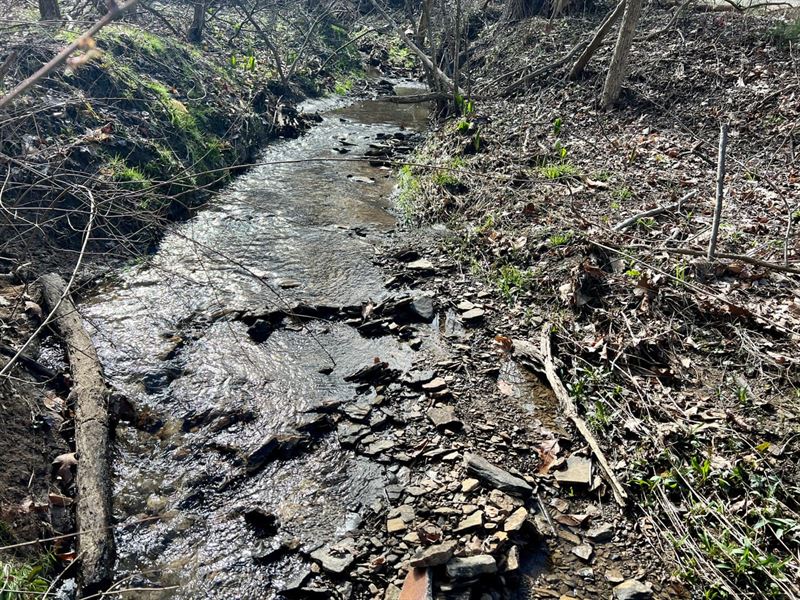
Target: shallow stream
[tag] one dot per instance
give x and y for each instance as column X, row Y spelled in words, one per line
column 290, row 230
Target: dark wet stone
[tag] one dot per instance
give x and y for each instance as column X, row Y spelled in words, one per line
column 471, row 567
column 357, row 411
column 280, row 445
column 370, row 374
column 349, row 434
column 498, row 478
column 314, row 423
column 273, row 549
column 422, row 307
column 262, row 523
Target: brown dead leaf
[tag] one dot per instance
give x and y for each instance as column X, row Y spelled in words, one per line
column 571, row 520
column 548, row 455
column 503, row 343
column 505, row 388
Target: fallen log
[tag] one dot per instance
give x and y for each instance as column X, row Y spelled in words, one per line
column 414, row 98
column 543, row 355
column 93, row 505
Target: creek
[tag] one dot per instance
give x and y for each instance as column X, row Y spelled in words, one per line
column 293, row 229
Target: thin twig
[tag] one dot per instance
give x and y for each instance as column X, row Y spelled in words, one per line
column 61, row 57
column 723, row 143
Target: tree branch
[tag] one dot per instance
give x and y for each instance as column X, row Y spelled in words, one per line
column 116, row 11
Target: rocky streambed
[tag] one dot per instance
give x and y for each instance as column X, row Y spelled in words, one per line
column 312, row 410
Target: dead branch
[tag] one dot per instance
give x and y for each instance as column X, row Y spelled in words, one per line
column 729, row 256
column 432, row 68
column 34, row 365
column 414, row 99
column 527, row 79
column 83, row 41
column 653, row 212
column 543, row 355
column 93, row 507
column 597, row 40
column 343, row 46
column 723, row 143
column 162, row 19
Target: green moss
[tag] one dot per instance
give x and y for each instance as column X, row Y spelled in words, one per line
column 560, row 239
column 118, row 170
column 408, row 187
column 786, row 33
column 446, row 177
column 400, row 56
column 343, row 86
column 134, row 38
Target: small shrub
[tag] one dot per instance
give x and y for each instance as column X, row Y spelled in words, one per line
column 511, row 280
column 558, row 171
column 560, row 239
column 786, row 32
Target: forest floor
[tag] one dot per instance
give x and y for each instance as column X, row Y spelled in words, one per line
column 685, row 369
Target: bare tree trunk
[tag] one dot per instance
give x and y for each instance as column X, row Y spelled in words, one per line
column 616, row 70
column 597, row 40
column 457, row 52
column 520, row 9
column 723, row 143
column 195, row 33
column 422, row 26
column 49, row 10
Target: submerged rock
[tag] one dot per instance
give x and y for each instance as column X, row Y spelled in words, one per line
column 276, row 445
column 262, row 522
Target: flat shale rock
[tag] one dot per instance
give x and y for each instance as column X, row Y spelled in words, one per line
column 471, row 567
column 633, row 590
column 422, row 307
column 578, row 472
column 433, row 556
column 498, row 478
column 422, row 265
column 444, row 417
column 332, row 559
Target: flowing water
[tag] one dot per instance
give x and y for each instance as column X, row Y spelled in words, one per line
column 288, row 230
